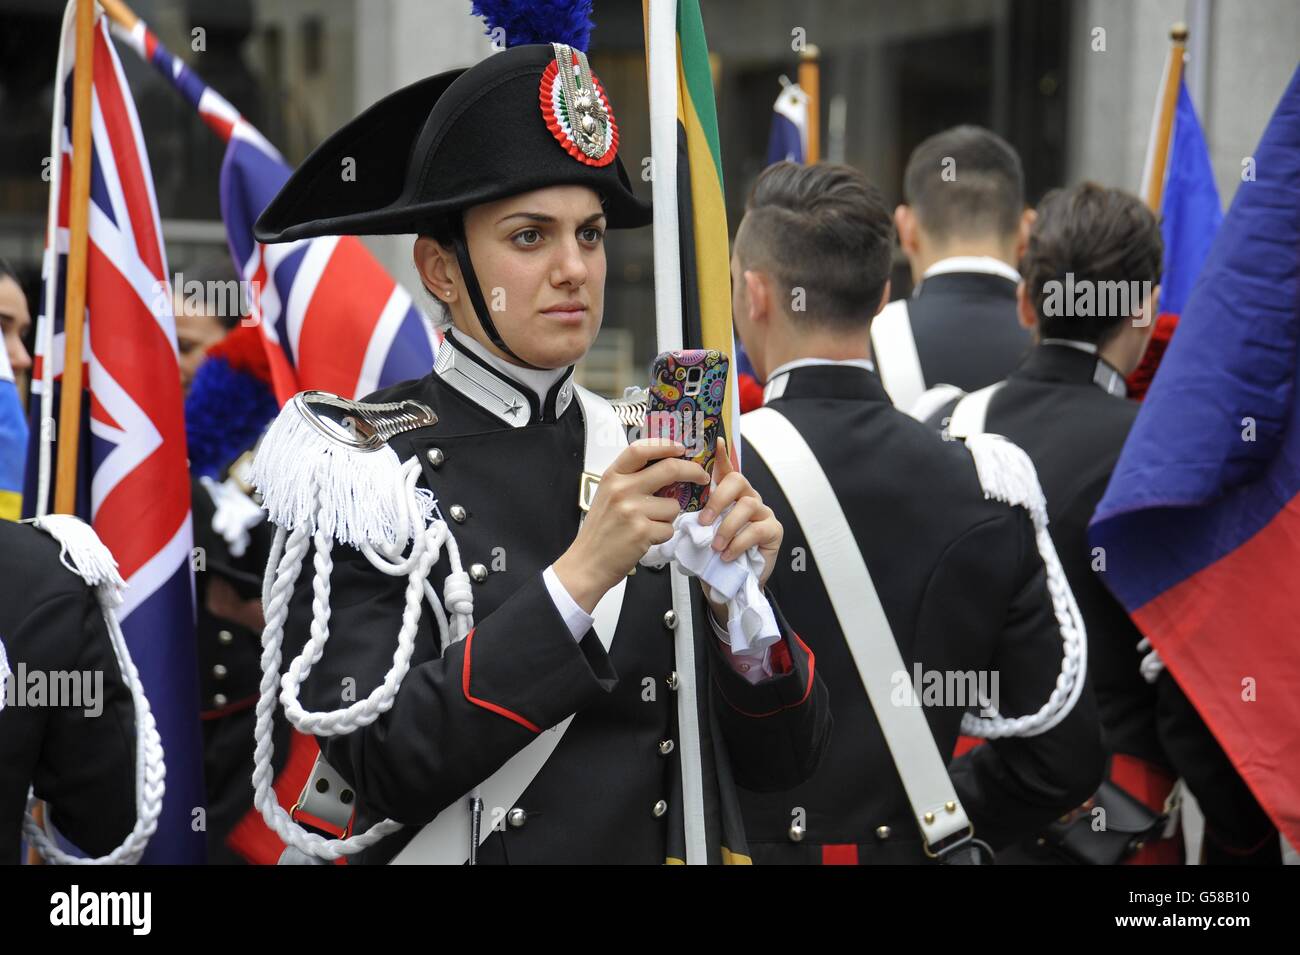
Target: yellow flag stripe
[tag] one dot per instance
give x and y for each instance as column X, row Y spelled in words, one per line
column 712, row 253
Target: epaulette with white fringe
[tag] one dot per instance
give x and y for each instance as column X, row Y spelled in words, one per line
column 326, row 462
column 82, row 552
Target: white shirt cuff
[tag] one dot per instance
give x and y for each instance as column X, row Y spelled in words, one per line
column 577, row 619
column 754, row 665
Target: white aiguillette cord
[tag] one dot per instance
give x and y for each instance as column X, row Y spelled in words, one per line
column 83, row 553
column 1007, row 474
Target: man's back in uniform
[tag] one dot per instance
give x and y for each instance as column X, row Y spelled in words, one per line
column 1067, row 407
column 959, row 576
column 962, row 227
column 78, row 754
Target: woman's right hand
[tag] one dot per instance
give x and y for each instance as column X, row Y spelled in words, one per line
column 625, row 518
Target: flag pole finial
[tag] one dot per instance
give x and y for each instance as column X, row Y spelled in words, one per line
column 1178, row 32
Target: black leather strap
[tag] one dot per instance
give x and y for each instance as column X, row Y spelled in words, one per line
column 476, row 292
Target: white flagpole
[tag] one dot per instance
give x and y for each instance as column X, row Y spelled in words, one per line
column 50, row 277
column 661, row 56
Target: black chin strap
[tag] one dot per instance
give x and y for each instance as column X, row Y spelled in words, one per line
column 476, row 294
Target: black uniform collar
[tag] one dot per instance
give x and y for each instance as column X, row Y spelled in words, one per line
column 969, row 275
column 1072, row 362
column 838, row 379
column 517, row 396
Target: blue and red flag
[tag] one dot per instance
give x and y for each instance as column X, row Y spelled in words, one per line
column 789, row 137
column 1190, row 215
column 1200, row 524
column 331, row 315
column 135, row 487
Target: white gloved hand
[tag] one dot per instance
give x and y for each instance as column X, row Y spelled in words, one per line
column 235, row 515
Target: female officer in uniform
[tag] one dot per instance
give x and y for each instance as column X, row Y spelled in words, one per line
column 508, row 173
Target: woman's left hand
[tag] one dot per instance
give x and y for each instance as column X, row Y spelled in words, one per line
column 750, row 523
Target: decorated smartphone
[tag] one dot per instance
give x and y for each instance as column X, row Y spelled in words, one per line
column 686, row 393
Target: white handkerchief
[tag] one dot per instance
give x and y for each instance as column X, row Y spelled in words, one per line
column 751, row 624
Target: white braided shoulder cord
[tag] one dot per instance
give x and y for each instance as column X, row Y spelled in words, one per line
column 287, row 555
column 86, row 556
column 1007, row 474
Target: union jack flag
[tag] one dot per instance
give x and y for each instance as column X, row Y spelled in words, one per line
column 331, row 316
column 135, row 485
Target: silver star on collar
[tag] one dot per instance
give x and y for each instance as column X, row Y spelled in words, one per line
column 514, row 408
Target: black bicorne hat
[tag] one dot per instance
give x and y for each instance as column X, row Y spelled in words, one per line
column 523, row 119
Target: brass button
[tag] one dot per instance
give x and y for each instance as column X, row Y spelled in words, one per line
column 672, row 681
column 883, row 832
column 219, row 700
column 950, row 806
column 478, row 572
column 929, row 818
column 435, row 456
column 670, row 620
column 219, row 671
column 796, row 832
column 458, row 513
column 659, row 809
column 665, row 747
column 225, row 637
column 516, row 817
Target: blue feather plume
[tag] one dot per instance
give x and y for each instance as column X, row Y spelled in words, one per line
column 225, row 413
column 538, row 21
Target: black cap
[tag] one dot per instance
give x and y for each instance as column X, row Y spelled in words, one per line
column 507, row 125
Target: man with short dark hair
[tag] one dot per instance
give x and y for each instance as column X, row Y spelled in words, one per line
column 962, row 226
column 958, row 576
column 1091, row 281
column 206, row 312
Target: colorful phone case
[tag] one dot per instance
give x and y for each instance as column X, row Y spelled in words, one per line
column 686, row 394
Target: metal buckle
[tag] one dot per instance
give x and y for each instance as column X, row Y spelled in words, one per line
column 587, row 490
column 316, row 823
column 961, row 838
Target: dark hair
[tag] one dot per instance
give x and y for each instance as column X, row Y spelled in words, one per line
column 1094, row 240
column 7, row 271
column 965, row 182
column 210, row 269
column 825, row 230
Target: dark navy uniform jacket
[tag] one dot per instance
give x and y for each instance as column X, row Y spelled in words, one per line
column 82, row 765
column 963, row 586
column 1074, row 430
column 965, row 328
column 513, row 463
